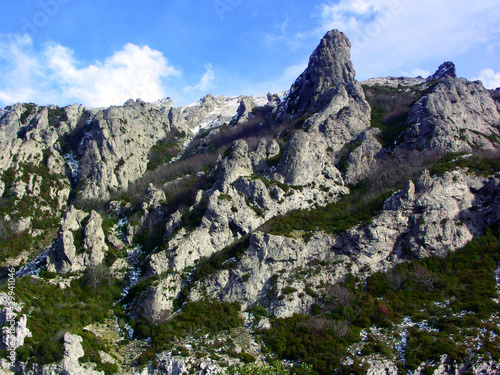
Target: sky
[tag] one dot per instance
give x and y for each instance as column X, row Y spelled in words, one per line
column 102, row 53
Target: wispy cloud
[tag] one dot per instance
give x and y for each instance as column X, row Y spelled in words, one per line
column 53, row 75
column 281, row 82
column 489, row 78
column 398, row 35
column 206, row 81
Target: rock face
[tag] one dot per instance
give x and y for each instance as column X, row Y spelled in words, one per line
column 430, row 217
column 447, row 69
column 81, row 243
column 14, row 329
column 34, row 187
column 329, row 72
column 73, row 350
column 224, row 239
column 328, row 90
column 114, row 151
column 457, row 116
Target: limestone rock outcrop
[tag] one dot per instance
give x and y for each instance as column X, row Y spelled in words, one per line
column 225, row 239
column 430, row 217
column 115, row 149
column 81, row 243
column 457, row 116
column 446, row 69
column 70, row 364
column 14, row 328
column 336, row 108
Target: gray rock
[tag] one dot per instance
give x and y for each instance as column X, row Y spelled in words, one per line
column 361, row 162
column 14, row 328
column 244, row 110
column 327, row 90
column 70, row 364
column 114, row 152
column 329, row 68
column 457, row 116
column 235, row 165
column 431, row 217
column 65, row 257
column 447, row 69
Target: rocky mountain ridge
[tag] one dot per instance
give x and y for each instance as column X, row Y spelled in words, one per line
column 266, row 205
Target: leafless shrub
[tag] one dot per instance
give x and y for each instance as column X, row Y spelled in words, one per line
column 339, row 295
column 424, row 277
column 318, row 324
column 396, row 280
column 340, row 327
column 96, row 275
column 154, row 317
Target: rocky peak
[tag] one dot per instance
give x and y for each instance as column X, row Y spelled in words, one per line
column 457, row 116
column 329, row 67
column 333, row 108
column 446, row 69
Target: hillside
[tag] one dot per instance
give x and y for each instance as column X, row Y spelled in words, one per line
column 340, row 227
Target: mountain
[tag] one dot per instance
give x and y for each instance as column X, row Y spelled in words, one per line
column 341, row 227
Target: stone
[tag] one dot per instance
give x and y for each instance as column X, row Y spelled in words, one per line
column 65, row 257
column 361, row 161
column 70, row 364
column 237, row 164
column 457, row 116
column 14, row 325
column 447, row 69
column 340, row 113
column 426, row 216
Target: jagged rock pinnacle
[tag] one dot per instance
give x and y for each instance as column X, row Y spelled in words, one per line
column 446, row 69
column 329, row 67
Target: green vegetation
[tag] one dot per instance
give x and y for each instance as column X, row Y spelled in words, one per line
column 52, row 311
column 276, row 368
column 216, row 262
column 333, row 218
column 484, row 164
column 454, row 295
column 392, row 126
column 28, row 111
column 43, row 207
column 164, row 151
column 390, row 107
column 56, row 115
column 196, row 320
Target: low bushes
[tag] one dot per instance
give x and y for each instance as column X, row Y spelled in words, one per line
column 52, row 311
column 196, row 319
column 333, row 218
column 453, row 295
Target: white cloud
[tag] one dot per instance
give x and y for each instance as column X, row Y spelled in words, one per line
column 490, row 79
column 416, row 72
column 53, row 75
column 281, row 82
column 206, row 81
column 397, row 35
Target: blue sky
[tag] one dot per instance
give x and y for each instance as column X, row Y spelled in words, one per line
column 101, row 53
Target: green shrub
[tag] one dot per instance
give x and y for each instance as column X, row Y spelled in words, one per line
column 56, row 116
column 465, row 279
column 52, row 311
column 164, row 151
column 275, row 368
column 27, row 112
column 196, row 319
column 333, row 218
